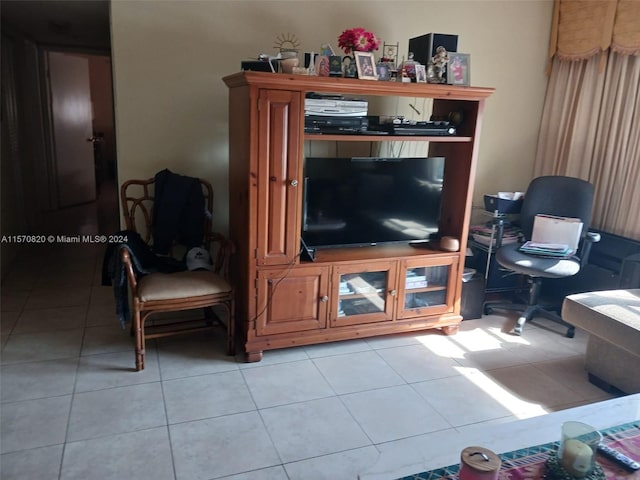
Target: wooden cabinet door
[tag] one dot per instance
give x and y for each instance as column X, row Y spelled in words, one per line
column 363, row 293
column 293, row 300
column 279, row 188
column 427, row 287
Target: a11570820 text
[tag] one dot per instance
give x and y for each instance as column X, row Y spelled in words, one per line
column 63, row 239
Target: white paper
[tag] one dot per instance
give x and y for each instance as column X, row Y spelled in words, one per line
column 511, row 195
column 562, row 230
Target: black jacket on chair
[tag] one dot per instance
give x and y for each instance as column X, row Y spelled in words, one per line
column 178, row 213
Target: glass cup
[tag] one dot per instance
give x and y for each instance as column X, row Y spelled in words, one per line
column 578, row 447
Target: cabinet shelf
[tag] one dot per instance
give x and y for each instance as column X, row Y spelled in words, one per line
column 434, row 288
column 353, row 296
column 377, row 252
column 282, row 81
column 384, row 138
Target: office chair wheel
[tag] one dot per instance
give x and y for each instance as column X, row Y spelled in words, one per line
column 571, row 332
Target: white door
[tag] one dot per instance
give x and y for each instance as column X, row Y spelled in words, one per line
column 72, row 128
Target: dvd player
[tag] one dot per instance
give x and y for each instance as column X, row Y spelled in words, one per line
column 402, row 126
column 433, row 130
column 322, row 124
column 334, row 105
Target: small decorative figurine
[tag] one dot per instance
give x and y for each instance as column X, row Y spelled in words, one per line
column 438, row 66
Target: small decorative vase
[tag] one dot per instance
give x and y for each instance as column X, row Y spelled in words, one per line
column 289, row 61
column 288, row 64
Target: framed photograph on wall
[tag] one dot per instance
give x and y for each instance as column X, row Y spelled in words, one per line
column 366, row 65
column 459, row 69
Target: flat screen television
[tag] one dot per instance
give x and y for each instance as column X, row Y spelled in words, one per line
column 359, row 201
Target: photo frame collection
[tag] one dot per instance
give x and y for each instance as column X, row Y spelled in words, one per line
column 327, row 63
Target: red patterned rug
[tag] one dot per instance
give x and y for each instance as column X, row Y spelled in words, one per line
column 529, row 463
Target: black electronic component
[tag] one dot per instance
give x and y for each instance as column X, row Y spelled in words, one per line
column 334, row 125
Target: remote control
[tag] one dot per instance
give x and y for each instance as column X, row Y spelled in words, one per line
column 618, row 457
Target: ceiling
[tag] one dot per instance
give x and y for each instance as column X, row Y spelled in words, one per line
column 61, row 23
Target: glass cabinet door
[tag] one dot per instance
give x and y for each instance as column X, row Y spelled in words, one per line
column 426, row 288
column 363, row 296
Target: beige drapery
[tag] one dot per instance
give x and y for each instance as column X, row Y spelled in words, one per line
column 584, row 28
column 591, row 119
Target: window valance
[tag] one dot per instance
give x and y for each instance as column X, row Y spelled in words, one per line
column 584, row 28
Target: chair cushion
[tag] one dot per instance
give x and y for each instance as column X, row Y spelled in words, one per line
column 167, row 286
column 510, row 258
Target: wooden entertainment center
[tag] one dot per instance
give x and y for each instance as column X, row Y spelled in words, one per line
column 346, row 293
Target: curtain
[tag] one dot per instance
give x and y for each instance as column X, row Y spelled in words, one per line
column 584, row 28
column 616, row 156
column 591, row 118
column 591, row 130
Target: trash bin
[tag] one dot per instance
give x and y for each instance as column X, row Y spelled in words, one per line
column 472, row 295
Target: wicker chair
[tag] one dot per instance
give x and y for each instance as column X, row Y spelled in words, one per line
column 172, row 292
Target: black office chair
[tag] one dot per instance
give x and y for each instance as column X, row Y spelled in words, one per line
column 550, row 195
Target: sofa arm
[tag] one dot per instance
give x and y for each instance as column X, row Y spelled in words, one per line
column 613, row 315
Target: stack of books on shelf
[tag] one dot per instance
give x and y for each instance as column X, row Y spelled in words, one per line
column 345, row 289
column 482, row 235
column 414, row 280
column 559, row 250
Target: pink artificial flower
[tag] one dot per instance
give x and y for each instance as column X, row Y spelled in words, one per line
column 358, row 39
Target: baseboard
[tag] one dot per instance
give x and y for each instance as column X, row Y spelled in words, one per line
column 606, row 386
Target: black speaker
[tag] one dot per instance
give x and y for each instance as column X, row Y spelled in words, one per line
column 257, row 65
column 424, row 47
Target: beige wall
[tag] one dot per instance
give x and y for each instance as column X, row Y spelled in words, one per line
column 169, row 57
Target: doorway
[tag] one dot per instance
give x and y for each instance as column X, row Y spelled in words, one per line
column 50, row 194
column 82, row 154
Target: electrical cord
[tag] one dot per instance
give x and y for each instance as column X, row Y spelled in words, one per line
column 275, row 286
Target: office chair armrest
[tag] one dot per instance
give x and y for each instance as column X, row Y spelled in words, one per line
column 589, row 239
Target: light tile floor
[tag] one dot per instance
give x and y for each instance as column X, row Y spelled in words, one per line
column 73, row 408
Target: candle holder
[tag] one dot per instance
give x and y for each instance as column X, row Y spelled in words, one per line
column 555, row 471
column 576, row 456
column 479, row 463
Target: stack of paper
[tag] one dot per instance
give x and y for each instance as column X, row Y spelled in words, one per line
column 559, row 230
column 482, row 234
column 547, row 249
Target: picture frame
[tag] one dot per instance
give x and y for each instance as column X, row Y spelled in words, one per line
column 327, row 49
column 459, row 69
column 421, row 74
column 390, row 53
column 335, row 66
column 322, row 65
column 366, row 65
column 383, row 70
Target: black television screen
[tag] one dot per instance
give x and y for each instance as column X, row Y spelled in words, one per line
column 371, row 200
